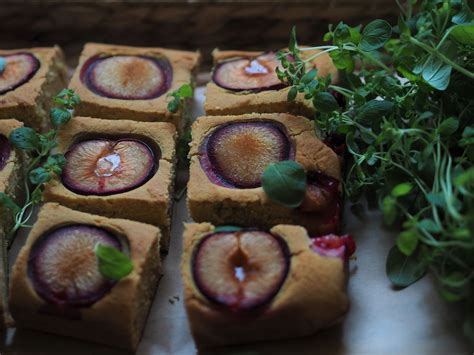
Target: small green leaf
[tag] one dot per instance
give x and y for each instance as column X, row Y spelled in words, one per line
column 309, row 76
column 7, row 202
column 292, row 93
column 465, row 178
column 113, row 264
column 59, row 116
column 220, row 229
column 436, row 73
column 436, row 199
column 25, row 138
column 173, row 105
column 449, row 126
column 39, row 176
column 325, row 102
column 407, row 241
column 463, row 33
column 185, row 90
column 389, row 209
column 374, row 110
column 402, row 189
column 285, row 182
column 374, row 35
column 3, row 64
column 404, row 270
column 429, row 225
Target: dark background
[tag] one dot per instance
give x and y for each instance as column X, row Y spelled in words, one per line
column 188, row 25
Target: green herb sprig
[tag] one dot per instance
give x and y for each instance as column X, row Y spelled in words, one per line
column 113, row 264
column 409, row 129
column 43, row 166
column 183, row 92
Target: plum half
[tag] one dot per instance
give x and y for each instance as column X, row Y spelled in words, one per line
column 5, row 151
column 249, row 74
column 334, row 246
column 19, row 69
column 242, row 270
column 105, row 167
column 322, row 192
column 127, row 77
column 236, row 154
column 63, row 266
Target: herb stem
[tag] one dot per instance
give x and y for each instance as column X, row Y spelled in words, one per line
column 446, row 60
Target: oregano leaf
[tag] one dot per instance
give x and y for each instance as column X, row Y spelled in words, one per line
column 403, row 270
column 285, row 183
column 374, row 35
column 113, row 264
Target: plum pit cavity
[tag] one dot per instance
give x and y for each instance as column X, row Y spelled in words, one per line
column 105, row 167
column 19, row 69
column 127, row 77
column 241, row 270
column 236, row 154
column 63, row 266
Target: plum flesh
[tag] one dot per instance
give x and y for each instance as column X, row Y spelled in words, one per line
column 248, row 74
column 236, row 154
column 334, row 246
column 242, row 270
column 127, row 77
column 19, row 69
column 63, row 267
column 5, row 151
column 105, row 167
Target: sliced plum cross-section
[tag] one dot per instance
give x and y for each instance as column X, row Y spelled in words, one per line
column 334, row 246
column 236, row 154
column 5, row 151
column 19, row 69
column 105, row 167
column 127, row 77
column 240, row 270
column 248, row 74
column 63, row 266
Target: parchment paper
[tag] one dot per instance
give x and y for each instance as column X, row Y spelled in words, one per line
column 381, row 320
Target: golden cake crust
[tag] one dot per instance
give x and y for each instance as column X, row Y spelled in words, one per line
column 252, row 207
column 117, row 319
column 312, row 297
column 221, row 101
column 150, row 203
column 31, row 101
column 183, row 63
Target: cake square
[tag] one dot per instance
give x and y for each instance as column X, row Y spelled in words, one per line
column 30, row 79
column 244, row 82
column 253, row 285
column 120, row 169
column 229, row 155
column 56, row 285
column 121, row 82
column 11, row 183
